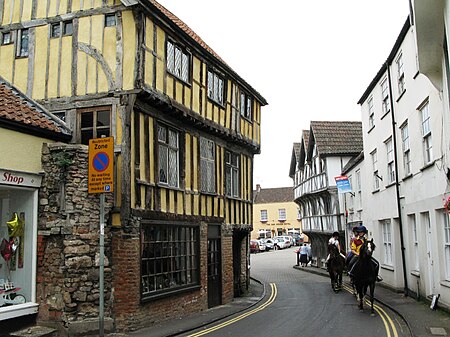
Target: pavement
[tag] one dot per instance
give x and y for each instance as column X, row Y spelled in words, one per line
column 419, row 318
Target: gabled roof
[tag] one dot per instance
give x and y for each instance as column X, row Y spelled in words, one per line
column 18, row 112
column 352, row 163
column 273, row 195
column 294, row 159
column 335, row 138
column 182, row 27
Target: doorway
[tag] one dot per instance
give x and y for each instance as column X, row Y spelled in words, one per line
column 214, row 266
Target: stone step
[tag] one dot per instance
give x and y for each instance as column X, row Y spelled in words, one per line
column 35, row 331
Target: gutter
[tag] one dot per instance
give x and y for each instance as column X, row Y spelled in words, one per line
column 397, row 184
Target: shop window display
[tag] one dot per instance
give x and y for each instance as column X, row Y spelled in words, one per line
column 17, row 245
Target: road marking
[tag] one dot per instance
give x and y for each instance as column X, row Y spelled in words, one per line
column 269, row 301
column 387, row 321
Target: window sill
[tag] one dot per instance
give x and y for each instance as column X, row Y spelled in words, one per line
column 281, row 220
column 445, row 283
column 426, row 166
column 387, row 113
column 168, row 293
column 390, row 184
column 233, row 198
column 247, row 119
column 167, row 187
column 409, row 176
column 415, row 273
column 387, row 267
column 179, row 78
column 212, row 194
column 376, row 191
column 373, row 127
column 401, row 95
column 222, row 105
column 263, row 221
column 416, row 74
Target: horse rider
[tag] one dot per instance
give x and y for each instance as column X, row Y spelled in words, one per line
column 334, row 240
column 356, row 245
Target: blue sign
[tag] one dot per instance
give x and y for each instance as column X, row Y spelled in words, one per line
column 342, row 184
column 100, row 161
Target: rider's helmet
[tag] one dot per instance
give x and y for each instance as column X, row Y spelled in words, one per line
column 361, row 229
column 335, row 234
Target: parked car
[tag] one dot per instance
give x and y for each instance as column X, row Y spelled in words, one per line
column 262, row 245
column 288, row 239
column 254, row 246
column 269, row 243
column 298, row 239
column 280, row 243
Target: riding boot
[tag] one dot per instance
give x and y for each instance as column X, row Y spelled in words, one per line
column 379, row 278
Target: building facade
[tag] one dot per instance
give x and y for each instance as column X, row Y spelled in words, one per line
column 275, row 213
column 324, row 151
column 185, row 128
column 24, row 127
column 405, row 178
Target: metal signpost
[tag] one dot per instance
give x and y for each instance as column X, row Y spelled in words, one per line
column 101, row 180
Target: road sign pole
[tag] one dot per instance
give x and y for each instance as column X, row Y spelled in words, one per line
column 102, row 265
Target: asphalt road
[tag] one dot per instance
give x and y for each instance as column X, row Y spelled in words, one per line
column 303, row 304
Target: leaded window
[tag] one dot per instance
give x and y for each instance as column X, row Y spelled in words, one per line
column 177, row 61
column 168, row 156
column 207, row 165
column 22, row 43
column 169, row 258
column 216, row 87
column 231, row 174
column 245, row 105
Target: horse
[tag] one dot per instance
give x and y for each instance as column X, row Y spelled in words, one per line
column 364, row 274
column 335, row 267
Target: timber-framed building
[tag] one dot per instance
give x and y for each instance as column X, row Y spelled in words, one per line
column 185, row 128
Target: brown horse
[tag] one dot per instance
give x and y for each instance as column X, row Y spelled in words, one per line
column 364, row 274
column 335, row 267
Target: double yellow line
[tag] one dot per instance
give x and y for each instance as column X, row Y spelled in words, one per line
column 269, row 301
column 387, row 320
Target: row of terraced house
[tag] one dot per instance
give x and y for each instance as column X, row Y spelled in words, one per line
column 185, row 127
column 396, row 161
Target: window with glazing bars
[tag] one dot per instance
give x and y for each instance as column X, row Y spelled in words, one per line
column 216, row 87
column 207, row 165
column 169, row 258
column 406, row 149
column 168, row 156
column 426, row 134
column 94, row 123
column 371, row 112
column 400, row 74
column 231, row 174
column 246, row 106
column 22, row 43
column 386, row 104
column 177, row 61
column 263, row 215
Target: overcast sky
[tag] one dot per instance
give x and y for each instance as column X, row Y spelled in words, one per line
column 310, row 59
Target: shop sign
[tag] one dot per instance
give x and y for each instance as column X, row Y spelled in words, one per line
column 19, row 179
column 343, row 184
column 101, row 165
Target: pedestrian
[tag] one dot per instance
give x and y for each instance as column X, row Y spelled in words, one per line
column 304, row 255
column 308, row 246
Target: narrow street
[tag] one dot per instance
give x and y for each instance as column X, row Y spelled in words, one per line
column 300, row 303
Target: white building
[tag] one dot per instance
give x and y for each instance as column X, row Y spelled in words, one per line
column 404, row 175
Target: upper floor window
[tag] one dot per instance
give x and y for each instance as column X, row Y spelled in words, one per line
column 385, row 97
column 264, row 215
column 400, row 74
column 376, row 179
column 216, row 87
column 358, row 189
column 178, row 61
column 22, row 43
column 7, row 38
column 94, row 123
column 406, row 149
column 110, row 20
column 168, row 163
column 282, row 214
column 371, row 112
column 390, row 161
column 426, row 133
column 245, row 105
column 67, row 28
column 231, row 174
column 415, row 240
column 55, row 30
column 207, row 165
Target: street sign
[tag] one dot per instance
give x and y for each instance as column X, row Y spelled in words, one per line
column 343, row 184
column 101, row 165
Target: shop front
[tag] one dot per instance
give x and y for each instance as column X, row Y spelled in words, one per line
column 18, row 243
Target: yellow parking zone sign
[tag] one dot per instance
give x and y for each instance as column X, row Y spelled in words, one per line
column 101, row 165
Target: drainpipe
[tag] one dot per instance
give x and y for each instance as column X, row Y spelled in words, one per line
column 397, row 184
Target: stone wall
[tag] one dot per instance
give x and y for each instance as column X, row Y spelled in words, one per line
column 68, row 239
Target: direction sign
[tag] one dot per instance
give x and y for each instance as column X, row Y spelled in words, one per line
column 101, row 165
